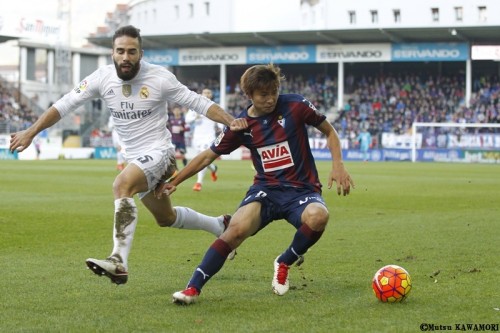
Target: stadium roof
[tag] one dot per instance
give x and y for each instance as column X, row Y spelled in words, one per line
column 4, row 38
column 474, row 35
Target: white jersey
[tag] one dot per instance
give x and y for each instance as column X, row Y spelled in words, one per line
column 138, row 106
column 204, row 129
column 114, row 134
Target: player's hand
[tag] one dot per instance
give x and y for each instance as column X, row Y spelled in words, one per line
column 164, row 188
column 238, row 124
column 341, row 177
column 19, row 141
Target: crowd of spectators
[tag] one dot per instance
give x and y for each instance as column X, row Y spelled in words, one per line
column 391, row 103
column 319, row 89
column 379, row 103
column 14, row 116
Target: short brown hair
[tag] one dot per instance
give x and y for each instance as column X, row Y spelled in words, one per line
column 261, row 77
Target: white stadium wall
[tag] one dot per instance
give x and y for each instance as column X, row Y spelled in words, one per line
column 172, row 17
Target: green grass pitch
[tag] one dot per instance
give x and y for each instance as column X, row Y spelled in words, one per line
column 439, row 221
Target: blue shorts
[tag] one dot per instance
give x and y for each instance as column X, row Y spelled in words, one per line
column 180, row 146
column 281, row 203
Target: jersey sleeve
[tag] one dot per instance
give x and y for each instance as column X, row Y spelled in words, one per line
column 227, row 142
column 311, row 115
column 180, row 94
column 86, row 90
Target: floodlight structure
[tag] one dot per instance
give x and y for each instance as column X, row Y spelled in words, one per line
column 63, row 49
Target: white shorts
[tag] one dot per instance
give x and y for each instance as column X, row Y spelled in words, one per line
column 158, row 165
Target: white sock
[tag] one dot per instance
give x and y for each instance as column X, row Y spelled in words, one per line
column 201, row 174
column 124, row 228
column 190, row 219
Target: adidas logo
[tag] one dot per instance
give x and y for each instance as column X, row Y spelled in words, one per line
column 110, row 93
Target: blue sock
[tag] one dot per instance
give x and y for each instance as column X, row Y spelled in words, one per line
column 304, row 238
column 212, row 262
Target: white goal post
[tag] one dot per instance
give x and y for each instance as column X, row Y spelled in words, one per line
column 416, row 125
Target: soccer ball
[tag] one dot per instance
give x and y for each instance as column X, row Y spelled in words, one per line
column 391, row 284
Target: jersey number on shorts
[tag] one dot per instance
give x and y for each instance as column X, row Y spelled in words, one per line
column 144, row 159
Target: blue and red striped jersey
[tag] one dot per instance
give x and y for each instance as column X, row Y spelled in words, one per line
column 177, row 127
column 278, row 143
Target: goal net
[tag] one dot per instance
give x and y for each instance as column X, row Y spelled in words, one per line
column 455, row 142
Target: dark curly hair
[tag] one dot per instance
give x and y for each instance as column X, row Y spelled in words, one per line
column 130, row 31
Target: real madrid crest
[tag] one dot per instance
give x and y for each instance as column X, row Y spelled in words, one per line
column 144, row 93
column 126, row 90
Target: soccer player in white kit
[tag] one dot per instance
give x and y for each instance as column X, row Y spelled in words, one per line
column 204, row 133
column 120, row 159
column 136, row 93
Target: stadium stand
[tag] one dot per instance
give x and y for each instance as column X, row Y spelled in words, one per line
column 14, row 116
column 389, row 102
column 382, row 103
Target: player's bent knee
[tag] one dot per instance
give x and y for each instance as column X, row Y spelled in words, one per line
column 235, row 235
column 165, row 220
column 122, row 189
column 316, row 216
column 165, row 223
column 317, row 210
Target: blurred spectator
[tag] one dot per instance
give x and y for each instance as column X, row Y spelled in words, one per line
column 383, row 102
column 13, row 116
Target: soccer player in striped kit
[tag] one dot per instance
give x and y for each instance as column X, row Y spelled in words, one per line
column 286, row 185
column 178, row 127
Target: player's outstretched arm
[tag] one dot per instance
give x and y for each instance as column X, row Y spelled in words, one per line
column 338, row 174
column 217, row 114
column 198, row 163
column 21, row 140
column 238, row 124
